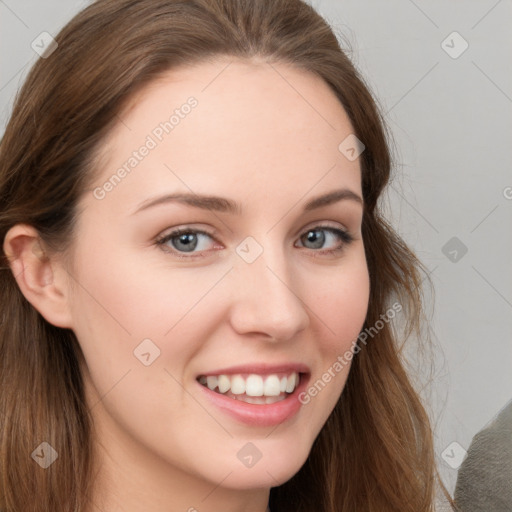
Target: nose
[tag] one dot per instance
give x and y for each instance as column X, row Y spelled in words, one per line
column 267, row 298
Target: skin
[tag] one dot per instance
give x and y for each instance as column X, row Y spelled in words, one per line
column 253, row 138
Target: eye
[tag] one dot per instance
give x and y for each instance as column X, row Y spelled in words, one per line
column 319, row 235
column 191, row 243
column 185, row 240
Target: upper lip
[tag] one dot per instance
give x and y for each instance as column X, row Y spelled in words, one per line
column 260, row 369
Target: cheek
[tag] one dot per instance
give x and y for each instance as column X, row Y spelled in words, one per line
column 342, row 306
column 124, row 309
column 136, row 298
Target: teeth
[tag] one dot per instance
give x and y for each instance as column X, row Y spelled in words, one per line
column 258, row 400
column 253, row 385
column 224, row 383
column 237, row 385
column 292, row 381
column 211, row 382
column 272, row 386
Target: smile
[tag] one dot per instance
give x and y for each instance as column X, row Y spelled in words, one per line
column 257, row 394
column 253, row 388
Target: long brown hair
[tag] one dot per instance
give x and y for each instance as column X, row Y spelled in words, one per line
column 375, row 452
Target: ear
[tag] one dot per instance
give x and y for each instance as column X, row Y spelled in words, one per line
column 42, row 280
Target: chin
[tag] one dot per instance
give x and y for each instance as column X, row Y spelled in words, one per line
column 275, row 467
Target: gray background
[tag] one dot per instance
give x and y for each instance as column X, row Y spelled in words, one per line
column 451, row 119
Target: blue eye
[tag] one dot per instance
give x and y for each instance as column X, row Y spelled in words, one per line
column 317, row 237
column 188, row 240
column 184, row 240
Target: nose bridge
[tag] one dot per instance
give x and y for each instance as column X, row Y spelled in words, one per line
column 267, row 298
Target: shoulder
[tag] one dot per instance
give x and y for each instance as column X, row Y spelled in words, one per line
column 483, row 481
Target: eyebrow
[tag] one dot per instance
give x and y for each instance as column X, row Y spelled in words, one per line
column 222, row 204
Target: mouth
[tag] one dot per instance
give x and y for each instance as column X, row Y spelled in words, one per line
column 254, row 388
column 258, row 394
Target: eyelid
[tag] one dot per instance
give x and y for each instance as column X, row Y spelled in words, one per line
column 322, row 224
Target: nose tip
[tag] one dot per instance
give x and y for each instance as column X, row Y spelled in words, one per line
column 268, row 303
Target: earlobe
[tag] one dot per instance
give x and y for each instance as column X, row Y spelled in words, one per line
column 41, row 278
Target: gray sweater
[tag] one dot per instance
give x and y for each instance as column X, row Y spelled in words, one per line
column 484, row 480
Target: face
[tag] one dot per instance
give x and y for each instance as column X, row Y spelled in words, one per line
column 254, row 295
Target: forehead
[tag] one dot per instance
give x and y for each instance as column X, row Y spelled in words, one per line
column 230, row 123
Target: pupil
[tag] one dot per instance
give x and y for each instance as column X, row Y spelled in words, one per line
column 189, row 241
column 313, row 237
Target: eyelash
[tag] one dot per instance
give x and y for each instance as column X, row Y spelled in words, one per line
column 345, row 236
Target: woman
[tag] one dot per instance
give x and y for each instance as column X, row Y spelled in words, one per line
column 199, row 289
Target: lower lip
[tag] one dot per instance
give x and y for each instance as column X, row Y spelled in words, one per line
column 262, row 415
